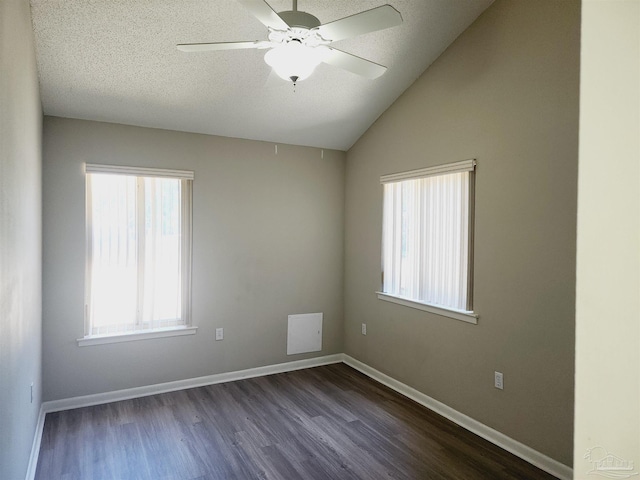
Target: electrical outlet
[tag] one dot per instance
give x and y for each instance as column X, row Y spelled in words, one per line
column 498, row 381
column 219, row 333
column 364, row 328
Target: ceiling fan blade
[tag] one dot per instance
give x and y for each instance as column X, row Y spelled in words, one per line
column 353, row 64
column 372, row 20
column 207, row 47
column 263, row 12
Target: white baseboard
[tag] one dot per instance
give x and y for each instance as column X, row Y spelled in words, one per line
column 35, row 447
column 137, row 392
column 526, row 453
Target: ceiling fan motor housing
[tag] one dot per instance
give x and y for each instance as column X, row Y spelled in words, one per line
column 295, row 18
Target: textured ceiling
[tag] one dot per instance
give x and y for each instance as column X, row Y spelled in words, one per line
column 116, row 61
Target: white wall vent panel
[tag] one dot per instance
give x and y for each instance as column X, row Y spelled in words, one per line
column 304, row 333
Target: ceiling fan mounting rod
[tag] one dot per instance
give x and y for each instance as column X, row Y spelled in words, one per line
column 295, row 5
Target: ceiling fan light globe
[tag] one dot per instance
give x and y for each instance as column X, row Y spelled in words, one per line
column 294, row 59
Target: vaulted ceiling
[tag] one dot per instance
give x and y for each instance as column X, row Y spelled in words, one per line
column 116, row 61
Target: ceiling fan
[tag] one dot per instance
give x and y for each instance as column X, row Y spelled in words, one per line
column 298, row 42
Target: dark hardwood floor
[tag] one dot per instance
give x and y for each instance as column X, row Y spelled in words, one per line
column 327, row 422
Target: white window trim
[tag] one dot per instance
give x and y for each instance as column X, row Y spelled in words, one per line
column 187, row 206
column 462, row 166
column 465, row 316
column 133, row 336
column 138, row 171
column 469, row 165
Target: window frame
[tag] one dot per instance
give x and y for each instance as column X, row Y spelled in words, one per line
column 469, row 315
column 186, row 205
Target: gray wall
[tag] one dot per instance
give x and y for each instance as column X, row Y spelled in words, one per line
column 267, row 242
column 505, row 93
column 20, row 239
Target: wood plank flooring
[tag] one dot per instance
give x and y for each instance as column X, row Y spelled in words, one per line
column 322, row 423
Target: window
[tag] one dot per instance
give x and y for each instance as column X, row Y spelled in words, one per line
column 427, row 240
column 138, row 251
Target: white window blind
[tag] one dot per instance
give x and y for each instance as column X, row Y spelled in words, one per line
column 138, row 249
column 428, row 235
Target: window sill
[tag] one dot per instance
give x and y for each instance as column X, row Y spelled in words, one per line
column 461, row 315
column 130, row 337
